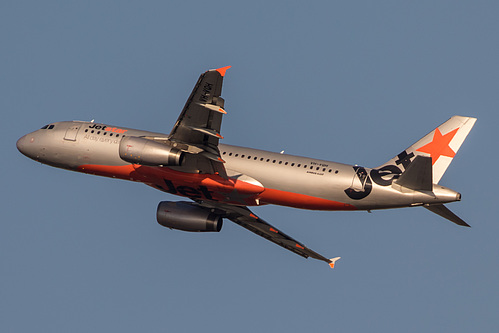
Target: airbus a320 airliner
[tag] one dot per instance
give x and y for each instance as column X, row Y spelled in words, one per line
column 223, row 180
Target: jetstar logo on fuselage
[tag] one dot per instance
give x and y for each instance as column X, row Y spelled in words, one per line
column 107, row 129
column 383, row 176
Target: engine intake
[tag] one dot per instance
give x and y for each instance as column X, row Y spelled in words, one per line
column 143, row 151
column 187, row 216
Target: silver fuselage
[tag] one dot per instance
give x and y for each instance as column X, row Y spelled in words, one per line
column 81, row 146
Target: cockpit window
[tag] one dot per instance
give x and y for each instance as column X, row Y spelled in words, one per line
column 51, row 126
column 45, row 127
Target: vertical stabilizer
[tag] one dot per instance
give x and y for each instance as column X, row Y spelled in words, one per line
column 441, row 145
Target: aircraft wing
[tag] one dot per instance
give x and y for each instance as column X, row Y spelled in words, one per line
column 246, row 219
column 197, row 130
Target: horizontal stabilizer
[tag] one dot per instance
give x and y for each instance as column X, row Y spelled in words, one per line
column 418, row 175
column 446, row 213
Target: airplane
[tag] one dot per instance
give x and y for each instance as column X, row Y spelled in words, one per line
column 223, row 180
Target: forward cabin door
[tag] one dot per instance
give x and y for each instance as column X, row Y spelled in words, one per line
column 72, row 132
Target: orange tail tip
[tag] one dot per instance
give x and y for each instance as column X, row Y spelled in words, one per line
column 223, row 70
column 332, row 261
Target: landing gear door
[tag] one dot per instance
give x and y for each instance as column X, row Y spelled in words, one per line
column 72, row 132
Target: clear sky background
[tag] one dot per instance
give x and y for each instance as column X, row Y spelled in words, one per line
column 353, row 82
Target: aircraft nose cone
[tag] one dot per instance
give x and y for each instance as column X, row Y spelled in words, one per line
column 27, row 146
column 21, row 144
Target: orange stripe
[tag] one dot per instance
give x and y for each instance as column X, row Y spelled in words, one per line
column 284, row 198
column 215, row 183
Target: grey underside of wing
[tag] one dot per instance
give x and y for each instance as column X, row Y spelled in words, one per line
column 197, row 129
column 246, row 219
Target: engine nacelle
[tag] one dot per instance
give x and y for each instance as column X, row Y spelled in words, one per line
column 187, row 216
column 143, row 151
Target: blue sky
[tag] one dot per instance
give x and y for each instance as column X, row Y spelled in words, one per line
column 353, row 82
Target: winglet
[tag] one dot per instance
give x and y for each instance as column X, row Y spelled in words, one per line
column 223, row 70
column 332, row 261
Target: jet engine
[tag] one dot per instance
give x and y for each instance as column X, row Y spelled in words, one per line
column 143, row 151
column 187, row 216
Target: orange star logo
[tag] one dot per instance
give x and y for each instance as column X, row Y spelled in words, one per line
column 439, row 146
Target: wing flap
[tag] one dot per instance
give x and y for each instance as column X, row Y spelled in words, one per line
column 197, row 129
column 203, row 110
